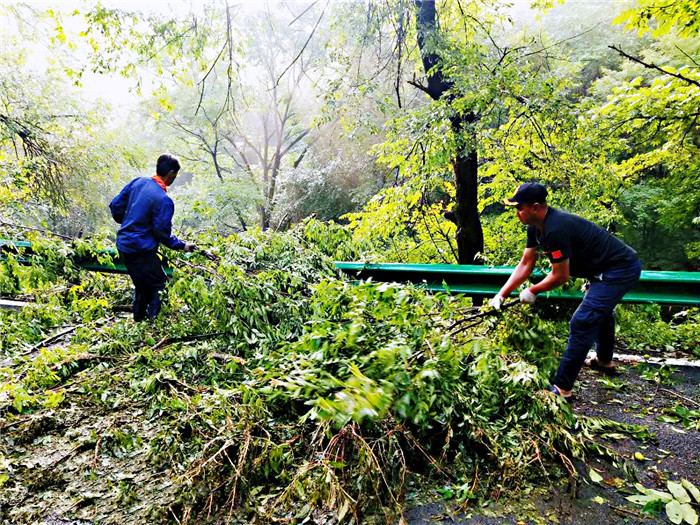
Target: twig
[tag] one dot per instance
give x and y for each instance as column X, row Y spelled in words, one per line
column 50, row 339
column 480, row 316
column 171, row 340
column 239, row 467
column 680, row 396
column 624, row 511
column 419, row 86
column 203, row 268
column 97, row 452
column 688, row 56
column 80, row 359
column 651, row 65
column 303, row 48
column 65, row 237
column 173, row 382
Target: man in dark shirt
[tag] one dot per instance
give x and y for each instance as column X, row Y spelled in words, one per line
column 579, row 248
column 145, row 213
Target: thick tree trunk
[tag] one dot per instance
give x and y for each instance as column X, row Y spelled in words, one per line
column 470, row 237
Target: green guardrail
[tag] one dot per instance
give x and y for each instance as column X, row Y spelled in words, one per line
column 24, row 254
column 675, row 288
column 680, row 288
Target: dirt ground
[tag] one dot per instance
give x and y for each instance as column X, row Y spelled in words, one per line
column 675, row 456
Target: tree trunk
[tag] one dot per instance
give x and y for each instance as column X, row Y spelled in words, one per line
column 264, row 218
column 470, row 237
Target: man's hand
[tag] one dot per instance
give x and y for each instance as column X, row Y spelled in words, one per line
column 190, row 247
column 496, row 302
column 527, row 297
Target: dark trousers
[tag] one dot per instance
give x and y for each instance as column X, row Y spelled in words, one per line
column 594, row 321
column 146, row 271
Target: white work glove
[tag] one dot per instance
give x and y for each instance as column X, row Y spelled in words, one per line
column 527, row 297
column 496, row 302
column 190, row 247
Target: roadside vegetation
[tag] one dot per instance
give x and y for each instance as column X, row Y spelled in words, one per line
column 272, row 388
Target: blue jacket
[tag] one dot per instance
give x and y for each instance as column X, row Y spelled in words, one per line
column 145, row 212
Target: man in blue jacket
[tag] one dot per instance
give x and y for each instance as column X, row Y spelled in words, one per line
column 145, row 213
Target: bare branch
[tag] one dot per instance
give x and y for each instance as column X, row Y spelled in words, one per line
column 176, row 37
column 211, row 68
column 651, row 65
column 688, row 56
column 419, row 86
column 555, row 44
column 304, row 47
column 690, row 127
column 303, row 13
column 294, row 142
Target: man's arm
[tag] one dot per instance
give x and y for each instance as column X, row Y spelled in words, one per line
column 119, row 204
column 558, row 276
column 521, row 272
column 162, row 226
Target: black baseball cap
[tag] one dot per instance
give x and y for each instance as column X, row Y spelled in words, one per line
column 528, row 193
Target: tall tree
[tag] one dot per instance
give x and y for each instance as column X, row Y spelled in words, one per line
column 274, row 121
column 476, row 78
column 465, row 214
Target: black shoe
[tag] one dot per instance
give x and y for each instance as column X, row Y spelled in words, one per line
column 593, row 364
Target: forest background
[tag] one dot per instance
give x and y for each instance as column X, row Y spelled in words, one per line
column 280, row 112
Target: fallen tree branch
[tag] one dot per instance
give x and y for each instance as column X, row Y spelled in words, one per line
column 688, row 400
column 11, row 225
column 480, row 316
column 51, row 339
column 79, row 360
column 202, row 268
column 185, row 338
column 625, row 512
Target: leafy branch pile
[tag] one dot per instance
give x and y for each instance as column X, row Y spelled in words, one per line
column 268, row 388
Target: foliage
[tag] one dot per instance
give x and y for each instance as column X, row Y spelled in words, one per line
column 688, row 418
column 267, row 382
column 643, row 329
column 405, row 224
column 661, row 375
column 677, row 502
column 663, row 16
column 46, row 128
column 204, row 201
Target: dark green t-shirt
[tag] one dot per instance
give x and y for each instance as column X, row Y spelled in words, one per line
column 590, row 249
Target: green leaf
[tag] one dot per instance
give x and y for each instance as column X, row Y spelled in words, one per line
column 689, row 514
column 674, row 512
column 679, row 493
column 640, row 499
column 654, row 507
column 692, row 489
column 665, row 496
column 595, row 477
